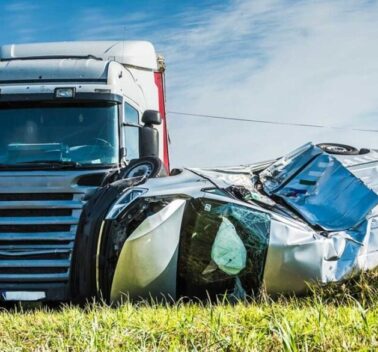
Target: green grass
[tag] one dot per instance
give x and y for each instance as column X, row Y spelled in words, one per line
column 342, row 317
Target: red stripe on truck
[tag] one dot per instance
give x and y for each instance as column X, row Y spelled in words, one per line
column 159, row 81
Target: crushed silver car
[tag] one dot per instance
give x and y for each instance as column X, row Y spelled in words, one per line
column 310, row 216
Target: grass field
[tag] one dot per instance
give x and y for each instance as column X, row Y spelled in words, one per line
column 343, row 317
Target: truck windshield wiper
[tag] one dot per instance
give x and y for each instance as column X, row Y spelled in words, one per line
column 53, row 164
column 50, row 163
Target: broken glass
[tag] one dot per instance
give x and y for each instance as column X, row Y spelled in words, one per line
column 221, row 243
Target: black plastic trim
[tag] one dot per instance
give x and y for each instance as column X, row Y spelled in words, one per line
column 55, row 80
column 5, row 98
column 52, row 57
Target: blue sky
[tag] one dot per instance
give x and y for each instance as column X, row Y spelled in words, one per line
column 47, row 20
column 292, row 61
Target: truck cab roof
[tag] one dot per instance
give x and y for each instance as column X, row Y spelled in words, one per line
column 139, row 54
column 125, row 68
column 53, row 70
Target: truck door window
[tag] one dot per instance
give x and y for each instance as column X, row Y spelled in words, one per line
column 131, row 133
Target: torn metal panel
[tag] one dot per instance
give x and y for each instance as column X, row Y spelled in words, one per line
column 226, row 178
column 185, row 182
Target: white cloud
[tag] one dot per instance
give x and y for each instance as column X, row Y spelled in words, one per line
column 281, row 60
column 310, row 62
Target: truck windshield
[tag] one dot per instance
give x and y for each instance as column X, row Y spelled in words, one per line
column 77, row 133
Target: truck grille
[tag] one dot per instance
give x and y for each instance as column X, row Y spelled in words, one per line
column 34, row 212
column 35, row 196
column 37, row 234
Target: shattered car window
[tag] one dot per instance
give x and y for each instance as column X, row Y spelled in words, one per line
column 223, row 249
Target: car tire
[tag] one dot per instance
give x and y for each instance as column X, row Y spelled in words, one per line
column 150, row 167
column 338, row 149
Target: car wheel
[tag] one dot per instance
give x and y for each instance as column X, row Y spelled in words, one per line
column 150, row 167
column 338, row 149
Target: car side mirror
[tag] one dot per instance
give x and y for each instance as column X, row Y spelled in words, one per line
column 151, row 117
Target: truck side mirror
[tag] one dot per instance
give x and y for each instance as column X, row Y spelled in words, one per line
column 148, row 135
column 151, row 117
column 148, row 141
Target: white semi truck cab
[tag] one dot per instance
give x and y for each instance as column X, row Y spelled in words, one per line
column 73, row 115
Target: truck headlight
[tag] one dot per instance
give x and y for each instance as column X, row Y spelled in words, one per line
column 124, row 201
column 64, row 93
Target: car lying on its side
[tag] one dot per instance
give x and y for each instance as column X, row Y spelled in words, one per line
column 309, row 216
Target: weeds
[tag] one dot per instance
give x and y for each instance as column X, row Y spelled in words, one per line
column 335, row 317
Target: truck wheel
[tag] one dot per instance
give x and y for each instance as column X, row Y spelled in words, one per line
column 338, row 149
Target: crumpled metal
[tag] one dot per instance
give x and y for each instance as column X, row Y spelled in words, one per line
column 285, row 168
column 298, row 256
column 322, row 190
column 319, row 223
column 228, row 178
